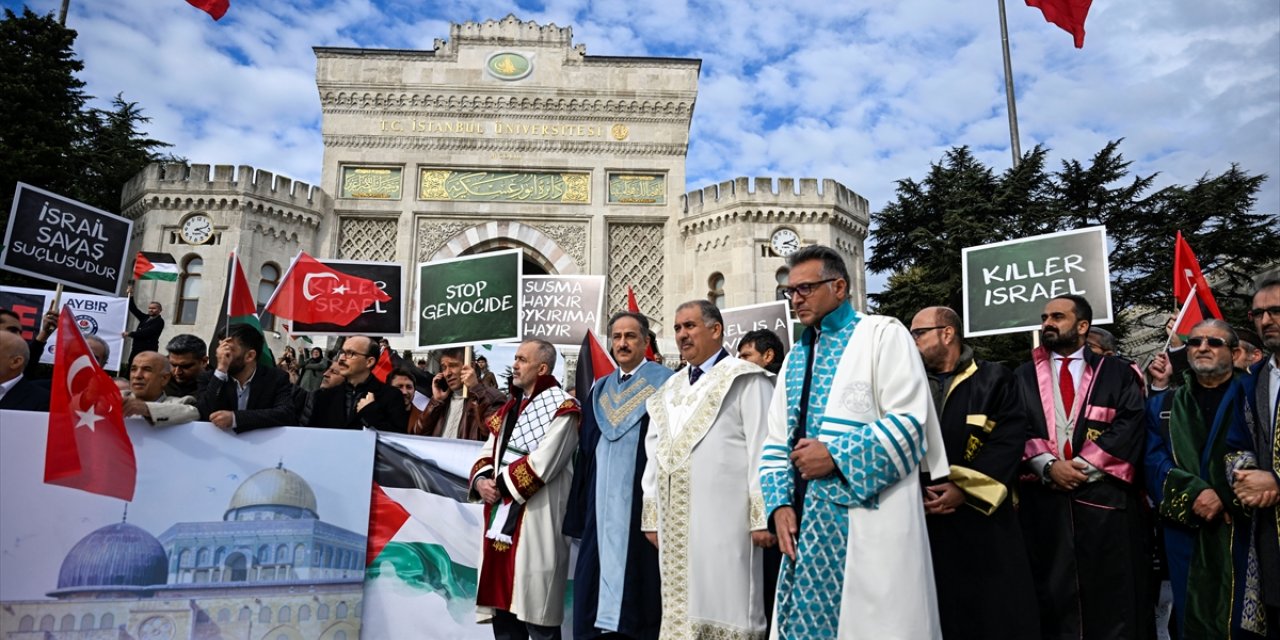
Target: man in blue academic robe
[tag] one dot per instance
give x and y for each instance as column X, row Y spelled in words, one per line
column 616, row 581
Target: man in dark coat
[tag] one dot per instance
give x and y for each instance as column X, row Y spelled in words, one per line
column 16, row 390
column 980, row 565
column 362, row 400
column 243, row 396
column 146, row 336
column 616, row 583
column 1081, row 507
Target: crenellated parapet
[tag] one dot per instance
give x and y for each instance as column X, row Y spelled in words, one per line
column 509, row 30
column 773, row 201
column 177, row 186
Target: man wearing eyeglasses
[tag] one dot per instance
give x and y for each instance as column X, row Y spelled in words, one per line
column 979, row 563
column 1206, row 531
column 1255, row 465
column 851, row 427
column 1081, row 504
column 362, row 400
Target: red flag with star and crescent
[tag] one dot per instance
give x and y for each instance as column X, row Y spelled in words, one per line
column 88, row 448
column 313, row 292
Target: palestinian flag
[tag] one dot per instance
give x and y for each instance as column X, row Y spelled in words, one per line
column 593, row 363
column 238, row 308
column 155, row 266
column 424, row 541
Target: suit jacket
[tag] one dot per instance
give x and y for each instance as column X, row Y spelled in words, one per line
column 146, row 337
column 385, row 413
column 270, row 400
column 27, row 395
column 482, row 402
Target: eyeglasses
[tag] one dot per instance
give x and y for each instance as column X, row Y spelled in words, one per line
column 1256, row 314
column 919, row 333
column 1216, row 343
column 347, row 353
column 805, row 289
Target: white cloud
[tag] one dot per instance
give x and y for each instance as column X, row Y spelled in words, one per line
column 866, row 94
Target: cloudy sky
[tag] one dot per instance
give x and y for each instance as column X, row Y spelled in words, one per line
column 865, row 93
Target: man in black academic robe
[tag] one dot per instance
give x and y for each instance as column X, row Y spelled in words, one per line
column 1081, row 508
column 628, row 603
column 980, row 565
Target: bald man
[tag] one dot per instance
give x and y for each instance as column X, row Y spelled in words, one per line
column 16, row 390
column 148, row 375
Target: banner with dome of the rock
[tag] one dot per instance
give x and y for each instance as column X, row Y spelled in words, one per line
column 260, row 534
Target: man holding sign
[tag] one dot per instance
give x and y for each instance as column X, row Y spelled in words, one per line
column 1081, row 510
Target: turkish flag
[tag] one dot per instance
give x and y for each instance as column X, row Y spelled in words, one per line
column 313, row 292
column 633, row 307
column 88, row 446
column 1187, row 276
column 1067, row 14
column 215, row 8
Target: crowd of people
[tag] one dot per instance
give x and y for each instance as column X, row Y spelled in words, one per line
column 877, row 481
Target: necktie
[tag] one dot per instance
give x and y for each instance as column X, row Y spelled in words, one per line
column 694, row 374
column 627, row 376
column 1067, row 388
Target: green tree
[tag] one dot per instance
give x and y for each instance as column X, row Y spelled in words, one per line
column 961, row 203
column 49, row 136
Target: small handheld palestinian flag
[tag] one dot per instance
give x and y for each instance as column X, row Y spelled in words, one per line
column 155, row 266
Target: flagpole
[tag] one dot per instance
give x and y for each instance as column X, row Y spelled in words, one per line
column 1014, row 145
column 62, row 14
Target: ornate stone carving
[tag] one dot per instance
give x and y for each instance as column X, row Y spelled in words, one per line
column 572, row 238
column 432, row 234
column 367, row 239
column 636, row 259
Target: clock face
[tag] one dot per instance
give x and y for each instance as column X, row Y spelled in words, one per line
column 785, row 242
column 197, row 229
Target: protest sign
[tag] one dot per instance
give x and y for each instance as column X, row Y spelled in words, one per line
column 224, row 532
column 561, row 309
column 1007, row 284
column 774, row 316
column 100, row 316
column 380, row 318
column 58, row 239
column 469, row 300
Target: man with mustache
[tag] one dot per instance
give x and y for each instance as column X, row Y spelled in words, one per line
column 1255, row 465
column 981, row 569
column 1205, row 530
column 851, row 431
column 616, row 579
column 1081, row 503
column 703, row 508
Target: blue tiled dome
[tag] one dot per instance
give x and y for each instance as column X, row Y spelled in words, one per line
column 115, row 555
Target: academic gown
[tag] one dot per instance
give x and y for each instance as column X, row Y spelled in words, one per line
column 702, row 497
column 529, row 453
column 618, row 407
column 1088, row 547
column 1186, row 455
column 980, row 565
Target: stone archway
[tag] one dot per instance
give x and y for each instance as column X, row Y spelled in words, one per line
column 537, row 246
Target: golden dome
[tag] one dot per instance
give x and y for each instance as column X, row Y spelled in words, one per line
column 275, row 487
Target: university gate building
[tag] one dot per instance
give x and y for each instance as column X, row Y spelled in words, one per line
column 506, row 136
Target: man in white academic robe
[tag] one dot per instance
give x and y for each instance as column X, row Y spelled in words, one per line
column 702, row 503
column 524, row 475
column 851, row 427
